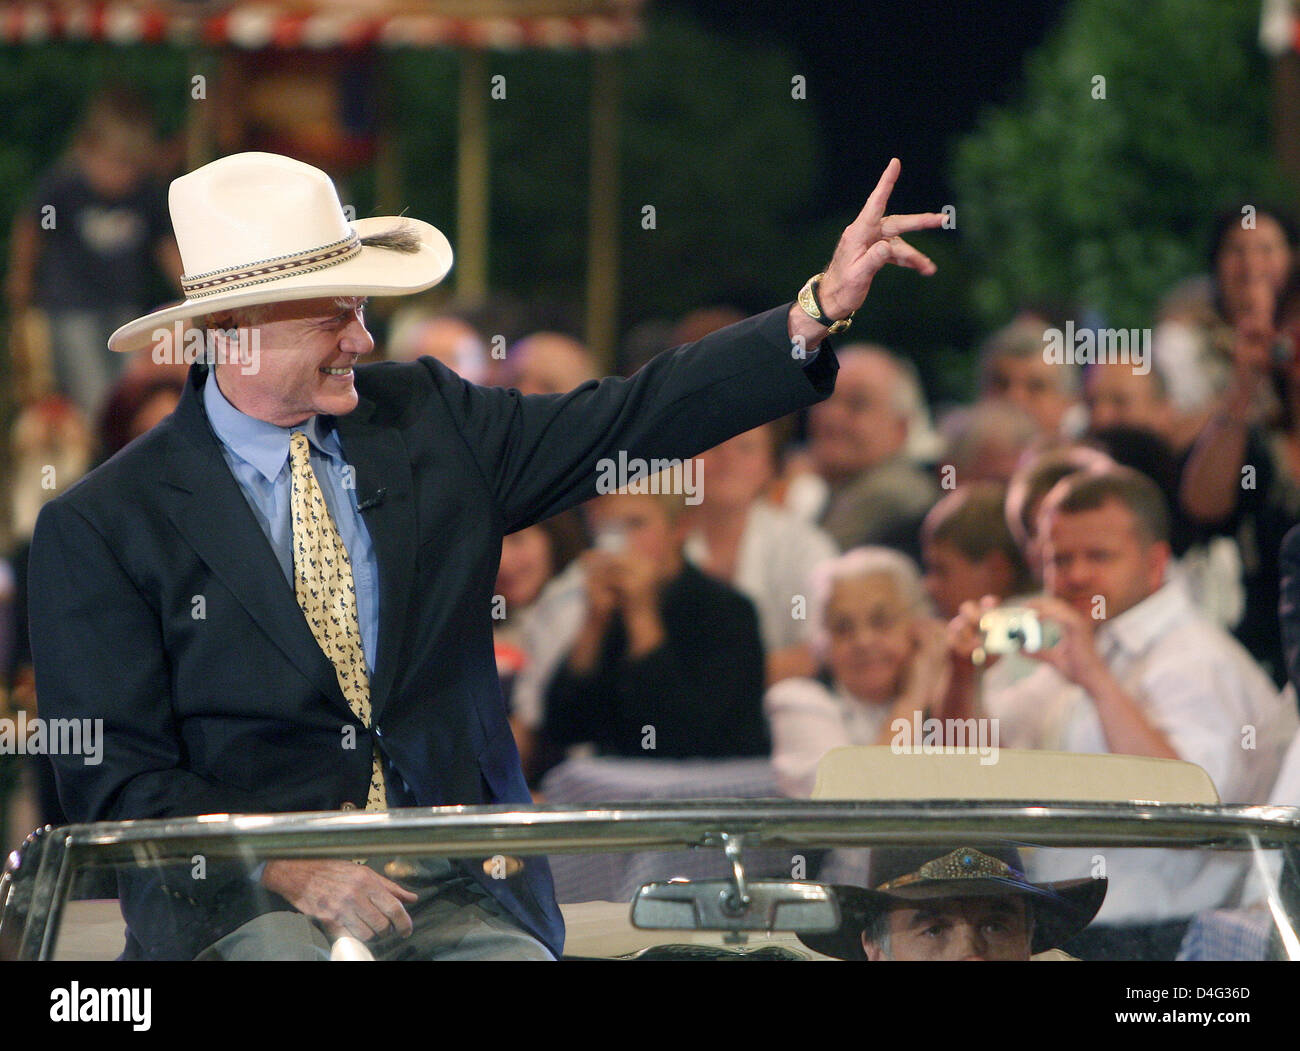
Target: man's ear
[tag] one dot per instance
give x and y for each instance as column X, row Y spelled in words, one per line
column 1160, row 555
column 873, row 951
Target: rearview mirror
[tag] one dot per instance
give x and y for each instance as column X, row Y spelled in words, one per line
column 715, row 905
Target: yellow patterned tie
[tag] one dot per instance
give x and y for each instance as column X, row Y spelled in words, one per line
column 322, row 581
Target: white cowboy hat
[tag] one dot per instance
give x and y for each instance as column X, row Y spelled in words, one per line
column 260, row 228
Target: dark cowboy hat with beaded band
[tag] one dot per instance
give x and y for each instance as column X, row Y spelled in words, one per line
column 908, row 874
column 257, row 228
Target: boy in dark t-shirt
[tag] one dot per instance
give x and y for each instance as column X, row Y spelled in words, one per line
column 669, row 662
column 82, row 245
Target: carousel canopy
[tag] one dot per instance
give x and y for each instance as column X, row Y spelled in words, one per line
column 322, row 24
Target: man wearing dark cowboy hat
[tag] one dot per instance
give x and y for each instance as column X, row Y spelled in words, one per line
column 932, row 903
column 280, row 598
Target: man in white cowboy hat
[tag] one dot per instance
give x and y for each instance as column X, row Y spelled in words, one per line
column 968, row 904
column 279, row 599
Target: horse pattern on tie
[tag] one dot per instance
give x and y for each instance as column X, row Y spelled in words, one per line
column 327, row 595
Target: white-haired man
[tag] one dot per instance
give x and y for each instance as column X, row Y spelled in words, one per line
column 340, row 529
column 1014, row 369
column 864, row 488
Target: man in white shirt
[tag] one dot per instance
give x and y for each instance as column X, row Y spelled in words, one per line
column 1137, row 671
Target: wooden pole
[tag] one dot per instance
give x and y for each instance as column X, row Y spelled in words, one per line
column 1286, row 120
column 389, row 190
column 472, row 181
column 602, row 214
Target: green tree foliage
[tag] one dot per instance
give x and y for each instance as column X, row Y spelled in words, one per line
column 1107, row 202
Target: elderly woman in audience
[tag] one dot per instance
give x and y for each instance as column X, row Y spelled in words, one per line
column 883, row 659
column 765, row 552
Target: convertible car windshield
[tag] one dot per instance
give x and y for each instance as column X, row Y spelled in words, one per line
column 783, row 880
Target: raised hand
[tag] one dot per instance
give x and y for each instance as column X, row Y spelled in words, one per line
column 927, row 671
column 869, row 243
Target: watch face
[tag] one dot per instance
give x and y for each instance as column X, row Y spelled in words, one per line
column 808, row 303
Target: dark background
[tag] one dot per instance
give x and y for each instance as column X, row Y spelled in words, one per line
column 891, row 78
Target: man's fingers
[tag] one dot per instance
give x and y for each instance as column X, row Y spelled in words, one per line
column 884, row 187
column 351, row 925
column 869, row 217
column 401, row 920
column 898, row 252
column 903, row 254
column 375, row 919
column 893, row 225
column 382, row 911
column 396, row 889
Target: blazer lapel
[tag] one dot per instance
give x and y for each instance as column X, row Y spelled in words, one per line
column 379, row 456
column 210, row 511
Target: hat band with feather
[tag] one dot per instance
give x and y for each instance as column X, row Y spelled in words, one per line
column 217, row 281
column 258, row 228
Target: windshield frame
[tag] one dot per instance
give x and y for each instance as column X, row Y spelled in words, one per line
column 39, row 875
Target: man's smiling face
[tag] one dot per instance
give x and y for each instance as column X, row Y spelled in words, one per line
column 307, row 350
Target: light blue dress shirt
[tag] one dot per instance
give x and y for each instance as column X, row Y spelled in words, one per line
column 258, row 455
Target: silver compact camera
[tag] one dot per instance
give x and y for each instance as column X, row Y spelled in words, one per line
column 1012, row 629
column 612, row 539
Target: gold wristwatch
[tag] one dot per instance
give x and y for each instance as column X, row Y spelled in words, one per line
column 809, row 304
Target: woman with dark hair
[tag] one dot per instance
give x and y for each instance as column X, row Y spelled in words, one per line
column 137, row 402
column 1242, row 478
column 1252, row 251
column 1204, row 322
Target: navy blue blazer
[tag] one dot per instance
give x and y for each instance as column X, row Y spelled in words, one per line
column 238, row 710
column 1289, row 604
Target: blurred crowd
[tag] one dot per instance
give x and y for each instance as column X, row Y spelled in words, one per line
column 858, row 533
column 820, row 581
